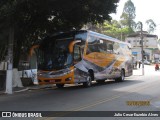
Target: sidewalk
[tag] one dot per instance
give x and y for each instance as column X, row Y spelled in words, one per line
column 148, row 69
column 137, row 72
column 33, row 87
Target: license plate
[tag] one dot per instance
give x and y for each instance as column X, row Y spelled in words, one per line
column 52, row 81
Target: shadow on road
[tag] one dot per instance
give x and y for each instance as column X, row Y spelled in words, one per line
column 108, row 83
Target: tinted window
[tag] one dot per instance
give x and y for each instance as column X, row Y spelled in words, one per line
column 124, row 49
column 116, row 48
column 92, row 45
column 99, row 45
column 77, row 53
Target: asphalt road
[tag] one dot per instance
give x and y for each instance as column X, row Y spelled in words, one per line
column 110, row 96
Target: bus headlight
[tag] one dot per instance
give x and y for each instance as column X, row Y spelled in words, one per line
column 68, row 79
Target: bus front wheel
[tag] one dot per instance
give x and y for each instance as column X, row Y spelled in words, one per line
column 60, row 85
column 121, row 78
column 88, row 82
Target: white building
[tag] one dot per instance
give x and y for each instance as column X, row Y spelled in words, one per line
column 150, row 44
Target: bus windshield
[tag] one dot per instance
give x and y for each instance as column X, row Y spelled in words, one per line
column 54, row 54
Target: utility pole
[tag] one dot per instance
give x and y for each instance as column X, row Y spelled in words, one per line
column 142, row 48
column 10, row 62
column 121, row 36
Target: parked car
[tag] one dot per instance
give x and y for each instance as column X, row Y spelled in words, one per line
column 157, row 61
column 146, row 62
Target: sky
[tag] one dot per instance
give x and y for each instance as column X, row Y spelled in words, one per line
column 145, row 9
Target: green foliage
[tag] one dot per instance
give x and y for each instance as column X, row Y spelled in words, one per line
column 151, row 25
column 139, row 26
column 129, row 9
column 115, row 30
column 128, row 15
column 34, row 19
column 39, row 16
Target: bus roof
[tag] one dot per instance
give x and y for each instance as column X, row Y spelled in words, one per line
column 106, row 37
column 93, row 34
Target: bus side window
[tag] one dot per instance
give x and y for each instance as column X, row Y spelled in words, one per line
column 102, row 46
column 110, row 48
column 77, row 54
column 116, row 48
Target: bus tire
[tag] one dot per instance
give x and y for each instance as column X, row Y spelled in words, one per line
column 60, row 85
column 121, row 78
column 88, row 83
column 91, row 73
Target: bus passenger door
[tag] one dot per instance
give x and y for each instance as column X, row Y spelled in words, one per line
column 77, row 54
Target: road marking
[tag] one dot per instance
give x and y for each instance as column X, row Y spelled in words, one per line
column 109, row 99
column 101, row 101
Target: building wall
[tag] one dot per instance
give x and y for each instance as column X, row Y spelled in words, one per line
column 138, row 56
column 149, row 43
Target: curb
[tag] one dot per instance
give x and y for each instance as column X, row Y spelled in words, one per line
column 39, row 88
column 17, row 91
column 28, row 88
column 2, row 93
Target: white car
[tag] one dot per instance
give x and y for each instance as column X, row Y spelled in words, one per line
column 146, row 62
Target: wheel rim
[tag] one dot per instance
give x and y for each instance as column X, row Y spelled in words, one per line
column 89, row 81
column 122, row 75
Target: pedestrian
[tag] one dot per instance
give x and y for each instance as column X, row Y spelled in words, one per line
column 156, row 66
column 136, row 64
column 139, row 64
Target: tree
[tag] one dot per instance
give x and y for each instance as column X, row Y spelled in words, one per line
column 34, row 19
column 116, row 23
column 3, row 43
column 113, row 29
column 138, row 26
column 151, row 25
column 128, row 15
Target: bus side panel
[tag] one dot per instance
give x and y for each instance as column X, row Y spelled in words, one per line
column 106, row 66
column 79, row 76
column 129, row 68
column 80, row 72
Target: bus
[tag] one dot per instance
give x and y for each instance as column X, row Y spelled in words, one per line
column 82, row 57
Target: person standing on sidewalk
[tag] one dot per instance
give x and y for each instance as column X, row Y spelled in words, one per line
column 136, row 64
column 139, row 63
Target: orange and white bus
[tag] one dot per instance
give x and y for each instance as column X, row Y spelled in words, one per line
column 82, row 57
